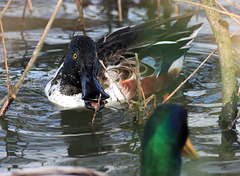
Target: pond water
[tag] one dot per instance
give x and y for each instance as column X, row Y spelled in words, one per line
column 34, row 132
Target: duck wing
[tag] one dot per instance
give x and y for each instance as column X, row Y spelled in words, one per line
column 164, row 40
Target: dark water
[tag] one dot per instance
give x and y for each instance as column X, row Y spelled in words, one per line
column 36, row 133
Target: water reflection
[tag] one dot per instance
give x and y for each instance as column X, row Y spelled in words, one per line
column 114, row 138
column 82, row 140
column 229, row 141
column 35, row 132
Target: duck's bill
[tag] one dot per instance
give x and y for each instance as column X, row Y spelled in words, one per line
column 92, row 92
column 94, row 105
column 189, row 151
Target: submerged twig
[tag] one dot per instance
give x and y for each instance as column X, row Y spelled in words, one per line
column 230, row 126
column 24, row 11
column 29, row 3
column 96, row 109
column 34, row 55
column 79, row 4
column 123, row 106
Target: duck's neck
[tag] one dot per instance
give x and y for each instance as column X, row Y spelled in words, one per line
column 161, row 154
column 70, row 82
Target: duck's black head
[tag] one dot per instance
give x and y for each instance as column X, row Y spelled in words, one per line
column 80, row 69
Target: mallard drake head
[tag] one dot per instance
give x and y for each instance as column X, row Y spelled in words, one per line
column 80, row 70
column 165, row 140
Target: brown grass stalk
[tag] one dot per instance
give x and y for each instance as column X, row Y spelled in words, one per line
column 143, row 94
column 30, row 5
column 159, row 8
column 5, row 106
column 230, row 126
column 27, row 2
column 194, row 72
column 176, row 9
column 233, row 3
column 24, row 11
column 123, row 105
column 96, row 109
column 34, row 56
column 235, row 32
column 120, row 10
column 197, row 7
column 5, row 55
column 207, row 7
column 189, row 4
column 74, row 30
column 234, row 19
column 125, row 98
column 5, row 9
column 75, row 27
column 235, row 51
column 79, row 4
column 238, row 91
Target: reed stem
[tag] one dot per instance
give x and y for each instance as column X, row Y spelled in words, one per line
column 220, row 29
column 33, row 58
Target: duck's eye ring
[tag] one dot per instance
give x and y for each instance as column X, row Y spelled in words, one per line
column 74, row 56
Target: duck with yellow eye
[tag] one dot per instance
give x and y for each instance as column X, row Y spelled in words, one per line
column 75, row 83
column 74, row 56
column 161, row 46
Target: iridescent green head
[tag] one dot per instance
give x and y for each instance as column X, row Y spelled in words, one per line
column 164, row 137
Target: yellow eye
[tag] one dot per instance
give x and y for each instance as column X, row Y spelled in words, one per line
column 96, row 55
column 75, row 56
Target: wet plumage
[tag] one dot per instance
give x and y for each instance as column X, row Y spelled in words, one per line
column 160, row 44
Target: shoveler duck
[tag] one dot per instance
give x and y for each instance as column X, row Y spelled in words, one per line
column 161, row 45
column 165, row 139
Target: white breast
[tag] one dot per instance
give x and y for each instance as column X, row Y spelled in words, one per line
column 54, row 95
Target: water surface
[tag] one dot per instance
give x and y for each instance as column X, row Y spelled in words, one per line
column 34, row 132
